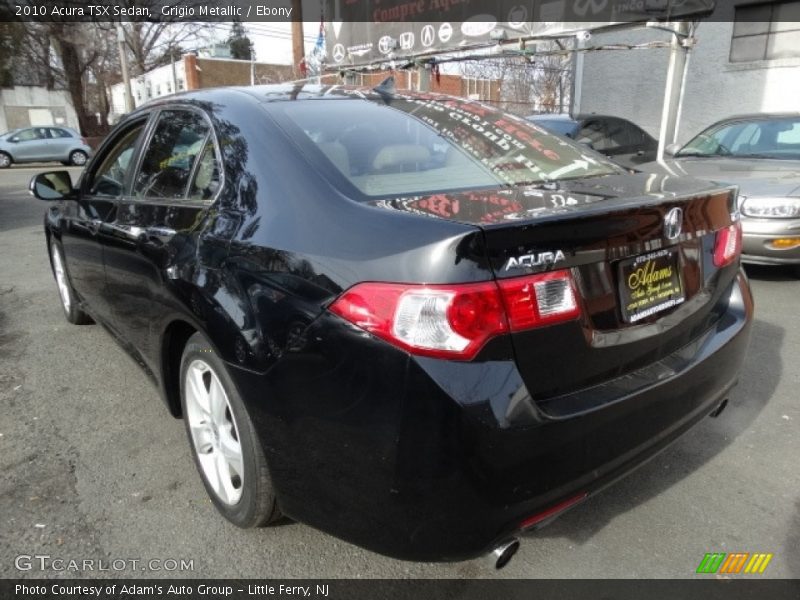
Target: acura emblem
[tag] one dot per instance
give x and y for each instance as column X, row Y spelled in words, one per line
column 673, row 222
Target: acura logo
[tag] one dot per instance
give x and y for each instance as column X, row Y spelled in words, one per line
column 673, row 223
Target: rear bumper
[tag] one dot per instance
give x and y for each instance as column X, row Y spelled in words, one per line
column 758, row 235
column 430, row 460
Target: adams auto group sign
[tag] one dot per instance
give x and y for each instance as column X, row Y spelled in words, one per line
column 363, row 32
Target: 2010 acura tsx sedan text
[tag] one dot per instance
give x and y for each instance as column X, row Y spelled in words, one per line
column 409, row 320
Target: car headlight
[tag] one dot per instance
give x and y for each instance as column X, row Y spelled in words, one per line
column 781, row 208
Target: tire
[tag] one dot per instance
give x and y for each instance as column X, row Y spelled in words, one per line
column 69, row 302
column 225, row 447
column 5, row 160
column 78, row 158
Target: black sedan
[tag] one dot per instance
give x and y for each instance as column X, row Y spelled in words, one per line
column 620, row 140
column 409, row 320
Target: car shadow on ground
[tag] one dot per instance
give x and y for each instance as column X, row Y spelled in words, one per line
column 748, row 398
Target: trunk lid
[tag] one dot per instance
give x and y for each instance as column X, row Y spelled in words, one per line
column 611, row 232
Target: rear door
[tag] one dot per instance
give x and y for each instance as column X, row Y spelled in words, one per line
column 60, row 143
column 156, row 225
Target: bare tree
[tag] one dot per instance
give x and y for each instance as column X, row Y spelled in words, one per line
column 539, row 81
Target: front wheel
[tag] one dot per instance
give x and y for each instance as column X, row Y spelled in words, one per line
column 68, row 300
column 226, row 448
column 5, row 160
column 78, row 158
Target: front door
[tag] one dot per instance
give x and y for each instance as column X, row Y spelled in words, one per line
column 82, row 227
column 30, row 144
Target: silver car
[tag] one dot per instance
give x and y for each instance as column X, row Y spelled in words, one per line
column 40, row 144
column 760, row 154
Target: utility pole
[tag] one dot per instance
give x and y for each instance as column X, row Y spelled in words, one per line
column 298, row 47
column 123, row 60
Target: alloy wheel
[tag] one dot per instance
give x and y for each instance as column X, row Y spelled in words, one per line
column 214, row 433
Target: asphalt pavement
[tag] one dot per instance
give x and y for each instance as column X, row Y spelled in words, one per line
column 92, row 467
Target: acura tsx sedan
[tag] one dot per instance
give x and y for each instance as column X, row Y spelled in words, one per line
column 409, row 320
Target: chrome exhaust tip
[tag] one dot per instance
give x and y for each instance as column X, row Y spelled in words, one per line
column 503, row 553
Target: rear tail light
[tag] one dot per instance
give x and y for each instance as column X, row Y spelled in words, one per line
column 728, row 245
column 455, row 321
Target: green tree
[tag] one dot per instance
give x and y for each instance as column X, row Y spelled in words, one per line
column 240, row 44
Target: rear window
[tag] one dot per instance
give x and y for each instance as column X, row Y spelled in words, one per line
column 413, row 145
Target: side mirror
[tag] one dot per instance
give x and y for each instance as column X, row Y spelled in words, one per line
column 672, row 149
column 56, row 185
column 13, row 140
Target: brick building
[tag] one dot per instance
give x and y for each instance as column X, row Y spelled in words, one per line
column 194, row 72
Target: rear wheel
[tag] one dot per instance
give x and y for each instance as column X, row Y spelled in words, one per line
column 65, row 292
column 78, row 158
column 226, row 449
column 5, row 160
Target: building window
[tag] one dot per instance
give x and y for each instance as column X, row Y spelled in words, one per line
column 766, row 31
column 158, row 89
column 169, row 87
column 180, row 84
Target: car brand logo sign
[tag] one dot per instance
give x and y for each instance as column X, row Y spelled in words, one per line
column 673, row 223
column 385, row 44
column 407, row 40
column 338, row 53
column 540, row 259
column 445, row 32
column 427, row 36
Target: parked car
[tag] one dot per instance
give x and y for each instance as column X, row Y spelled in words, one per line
column 43, row 144
column 761, row 155
column 412, row 321
column 620, row 140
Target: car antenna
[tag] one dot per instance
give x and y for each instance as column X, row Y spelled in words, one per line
column 386, row 88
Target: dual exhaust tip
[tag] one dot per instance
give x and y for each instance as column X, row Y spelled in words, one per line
column 502, row 554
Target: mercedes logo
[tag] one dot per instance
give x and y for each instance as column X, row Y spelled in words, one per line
column 673, row 223
column 338, row 53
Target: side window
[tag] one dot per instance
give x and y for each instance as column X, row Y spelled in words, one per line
column 207, row 174
column 594, row 133
column 26, row 135
column 178, row 139
column 109, row 178
column 59, row 133
column 618, row 134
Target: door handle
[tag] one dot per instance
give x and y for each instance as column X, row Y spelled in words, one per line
column 162, row 234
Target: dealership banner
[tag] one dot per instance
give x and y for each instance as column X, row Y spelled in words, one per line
column 369, row 32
